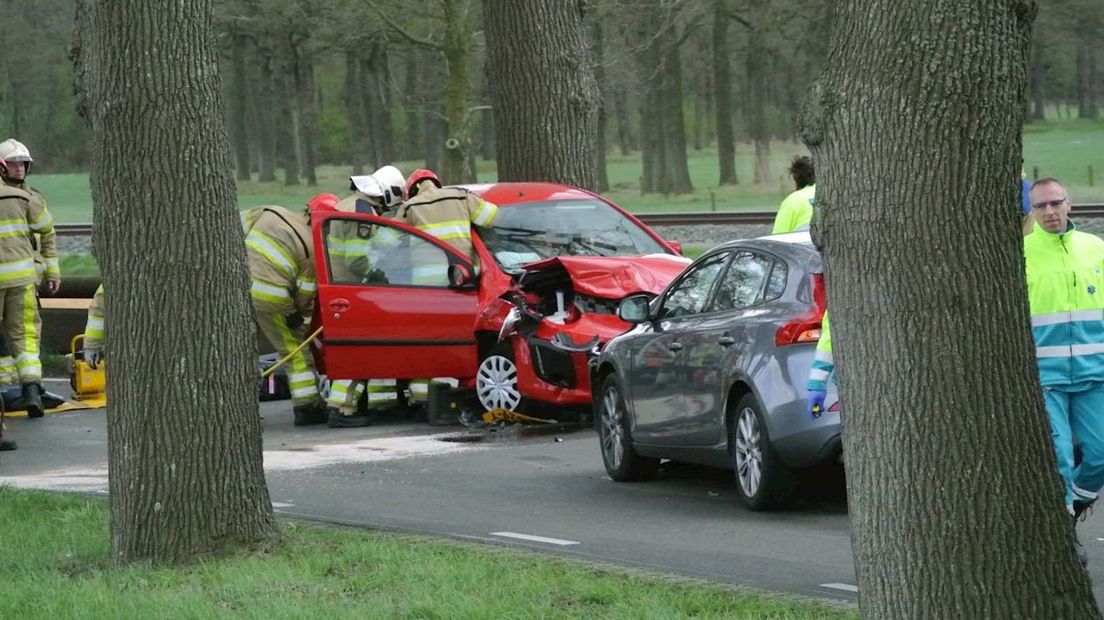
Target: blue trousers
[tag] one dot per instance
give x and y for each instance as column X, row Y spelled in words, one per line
column 1077, row 411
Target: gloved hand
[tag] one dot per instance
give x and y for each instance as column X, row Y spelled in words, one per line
column 93, row 357
column 816, row 403
column 53, row 285
column 294, row 320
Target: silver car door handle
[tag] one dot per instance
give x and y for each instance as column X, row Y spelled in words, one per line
column 726, row 341
column 675, row 346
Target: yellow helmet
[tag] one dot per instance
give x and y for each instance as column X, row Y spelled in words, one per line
column 14, row 150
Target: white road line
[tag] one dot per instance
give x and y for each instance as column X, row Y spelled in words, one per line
column 282, row 505
column 540, row 539
column 846, row 587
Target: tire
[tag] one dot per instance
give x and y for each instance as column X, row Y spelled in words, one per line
column 763, row 481
column 622, row 462
column 496, row 380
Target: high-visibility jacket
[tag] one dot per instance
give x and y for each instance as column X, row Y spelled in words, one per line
column 795, row 211
column 94, row 327
column 823, row 364
column 281, row 259
column 448, row 214
column 46, row 261
column 20, row 215
column 1065, row 288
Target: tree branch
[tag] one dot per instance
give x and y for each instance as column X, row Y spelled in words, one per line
column 403, row 31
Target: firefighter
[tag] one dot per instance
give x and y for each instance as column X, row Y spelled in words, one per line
column 378, row 194
column 94, row 331
column 281, row 265
column 46, row 259
column 22, row 215
column 447, row 213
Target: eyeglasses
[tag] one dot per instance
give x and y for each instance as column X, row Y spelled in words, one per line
column 1039, row 206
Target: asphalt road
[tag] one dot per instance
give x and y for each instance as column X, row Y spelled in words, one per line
column 544, row 491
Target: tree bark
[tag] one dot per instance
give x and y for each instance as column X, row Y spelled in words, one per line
column 1036, row 80
column 674, row 120
column 599, row 55
column 265, row 120
column 624, row 124
column 309, row 122
column 756, row 61
column 1086, row 76
column 353, row 115
column 543, row 85
column 722, row 83
column 184, row 434
column 414, row 109
column 955, row 503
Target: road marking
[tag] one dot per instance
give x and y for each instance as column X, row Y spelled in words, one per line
column 540, row 539
column 282, row 505
column 846, row 587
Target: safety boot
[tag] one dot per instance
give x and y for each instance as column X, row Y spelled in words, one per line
column 32, row 400
column 6, row 444
column 305, row 415
column 1082, row 555
column 340, row 420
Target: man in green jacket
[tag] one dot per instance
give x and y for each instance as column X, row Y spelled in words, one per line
column 797, row 209
column 1065, row 288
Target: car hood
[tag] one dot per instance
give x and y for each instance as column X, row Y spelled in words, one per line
column 613, row 277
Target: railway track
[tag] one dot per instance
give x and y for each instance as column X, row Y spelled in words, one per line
column 688, row 218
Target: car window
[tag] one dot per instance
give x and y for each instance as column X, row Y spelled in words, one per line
column 776, row 283
column 362, row 253
column 692, row 291
column 742, row 284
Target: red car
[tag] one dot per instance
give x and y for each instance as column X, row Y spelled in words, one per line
column 519, row 326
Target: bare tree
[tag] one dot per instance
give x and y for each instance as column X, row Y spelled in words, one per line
column 184, row 434
column 956, row 508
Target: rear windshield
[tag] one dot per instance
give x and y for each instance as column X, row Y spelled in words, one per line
column 527, row 232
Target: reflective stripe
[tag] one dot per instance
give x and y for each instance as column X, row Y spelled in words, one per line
column 301, row 392
column 94, row 323
column 308, row 286
column 1058, row 318
column 270, row 250
column 454, row 229
column 44, row 222
column 25, row 265
column 264, row 290
column 486, row 214
column 1069, row 351
column 14, row 229
column 1083, row 493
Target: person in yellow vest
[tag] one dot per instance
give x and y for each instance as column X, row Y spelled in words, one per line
column 47, row 267
column 447, row 213
column 796, row 210
column 94, row 330
column 280, row 253
column 378, row 193
column 20, row 216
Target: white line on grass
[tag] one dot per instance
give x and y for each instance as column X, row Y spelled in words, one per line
column 540, row 539
column 846, row 587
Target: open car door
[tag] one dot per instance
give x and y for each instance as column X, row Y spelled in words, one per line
column 387, row 308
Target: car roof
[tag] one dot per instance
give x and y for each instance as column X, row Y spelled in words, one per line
column 798, row 242
column 513, row 193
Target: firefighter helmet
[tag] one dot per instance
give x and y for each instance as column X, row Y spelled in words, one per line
column 391, row 185
column 14, row 150
column 416, row 177
column 322, row 203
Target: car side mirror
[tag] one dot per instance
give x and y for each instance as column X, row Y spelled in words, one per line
column 634, row 309
column 460, row 276
column 677, row 245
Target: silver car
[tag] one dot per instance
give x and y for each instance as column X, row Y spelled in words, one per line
column 714, row 369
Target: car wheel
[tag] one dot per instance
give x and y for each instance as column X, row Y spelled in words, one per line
column 762, row 480
column 622, row 462
column 496, row 380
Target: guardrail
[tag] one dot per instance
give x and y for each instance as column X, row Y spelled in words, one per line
column 689, row 218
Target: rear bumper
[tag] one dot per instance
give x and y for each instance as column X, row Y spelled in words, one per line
column 802, row 441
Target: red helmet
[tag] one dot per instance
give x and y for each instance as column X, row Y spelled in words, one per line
column 417, row 177
column 323, row 202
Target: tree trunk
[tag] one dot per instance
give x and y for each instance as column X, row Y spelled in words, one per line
column 377, row 83
column 292, row 147
column 543, row 85
column 309, row 119
column 489, row 148
column 599, row 55
column 956, row 509
column 756, row 66
column 184, row 453
column 624, row 124
column 353, row 108
column 265, row 121
column 722, row 84
column 674, row 122
column 239, row 77
column 414, row 108
column 1086, row 76
column 1036, row 84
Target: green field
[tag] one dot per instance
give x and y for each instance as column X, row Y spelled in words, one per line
column 58, row 565
column 1064, row 149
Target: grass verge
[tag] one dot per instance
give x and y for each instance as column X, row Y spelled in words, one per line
column 61, row 569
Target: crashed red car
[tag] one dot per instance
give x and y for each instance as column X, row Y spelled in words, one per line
column 518, row 327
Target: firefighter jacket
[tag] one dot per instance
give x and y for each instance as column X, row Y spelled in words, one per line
column 281, row 259
column 1065, row 289
column 94, row 327
column 448, row 213
column 20, row 216
column 46, row 258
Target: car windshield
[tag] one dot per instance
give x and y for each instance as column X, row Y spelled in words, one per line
column 531, row 231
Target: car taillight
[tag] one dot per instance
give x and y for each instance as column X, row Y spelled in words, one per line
column 835, row 407
column 805, row 328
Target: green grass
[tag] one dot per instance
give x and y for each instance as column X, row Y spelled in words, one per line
column 61, row 568
column 1060, row 148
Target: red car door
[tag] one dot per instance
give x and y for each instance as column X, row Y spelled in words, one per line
column 386, row 306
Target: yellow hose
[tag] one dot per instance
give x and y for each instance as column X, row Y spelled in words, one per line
column 271, row 369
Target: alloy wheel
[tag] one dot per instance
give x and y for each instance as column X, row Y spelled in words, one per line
column 749, row 455
column 613, row 436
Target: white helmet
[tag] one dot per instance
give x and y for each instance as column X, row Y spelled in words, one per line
column 391, row 185
column 14, row 150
